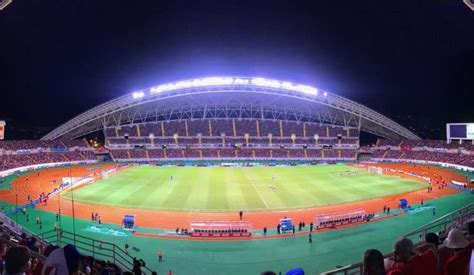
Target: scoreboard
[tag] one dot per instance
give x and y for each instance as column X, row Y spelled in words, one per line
column 460, row 131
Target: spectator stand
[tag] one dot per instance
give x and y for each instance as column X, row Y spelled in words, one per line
column 218, row 229
column 286, row 225
column 340, row 218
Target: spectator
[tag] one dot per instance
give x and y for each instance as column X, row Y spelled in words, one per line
column 17, row 260
column 432, row 238
column 3, row 251
column 470, row 231
column 458, row 263
column 407, row 261
column 268, row 272
column 62, row 261
column 373, row 263
column 136, row 267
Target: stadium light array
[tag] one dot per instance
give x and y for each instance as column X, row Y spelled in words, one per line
column 220, row 81
column 137, row 95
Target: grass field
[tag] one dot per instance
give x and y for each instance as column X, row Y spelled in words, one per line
column 222, row 189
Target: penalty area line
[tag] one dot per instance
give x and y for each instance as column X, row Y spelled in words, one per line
column 259, row 194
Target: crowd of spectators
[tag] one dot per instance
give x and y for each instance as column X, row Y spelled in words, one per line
column 20, row 160
column 423, row 155
column 26, row 255
column 217, row 127
column 433, row 255
column 15, row 145
column 231, row 152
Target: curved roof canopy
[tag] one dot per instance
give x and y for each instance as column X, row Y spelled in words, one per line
column 226, row 97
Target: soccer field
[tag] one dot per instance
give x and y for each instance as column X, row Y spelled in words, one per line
column 230, row 189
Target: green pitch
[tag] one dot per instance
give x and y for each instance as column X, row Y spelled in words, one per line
column 219, row 189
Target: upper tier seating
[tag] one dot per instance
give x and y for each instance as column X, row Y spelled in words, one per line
column 14, row 145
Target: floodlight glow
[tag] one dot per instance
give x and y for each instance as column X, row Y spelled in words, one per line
column 219, row 81
column 240, row 81
column 137, row 95
column 300, row 88
column 266, row 82
column 199, row 82
column 325, row 94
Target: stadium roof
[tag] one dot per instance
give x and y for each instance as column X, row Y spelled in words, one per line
column 231, row 97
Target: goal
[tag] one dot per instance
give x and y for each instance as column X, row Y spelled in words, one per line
column 107, row 173
column 375, row 170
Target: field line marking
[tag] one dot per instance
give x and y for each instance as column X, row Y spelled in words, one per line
column 260, row 195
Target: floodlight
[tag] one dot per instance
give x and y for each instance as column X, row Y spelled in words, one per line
column 266, row 82
column 325, row 94
column 137, row 95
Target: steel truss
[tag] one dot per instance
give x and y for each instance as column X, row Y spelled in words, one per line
column 231, row 101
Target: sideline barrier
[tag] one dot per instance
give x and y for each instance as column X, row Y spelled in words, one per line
column 442, row 164
column 43, row 165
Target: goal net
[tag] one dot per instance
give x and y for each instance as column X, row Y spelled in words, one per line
column 375, row 170
column 107, row 173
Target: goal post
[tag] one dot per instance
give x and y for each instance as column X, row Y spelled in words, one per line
column 375, row 170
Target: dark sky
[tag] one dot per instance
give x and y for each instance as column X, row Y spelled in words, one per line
column 411, row 60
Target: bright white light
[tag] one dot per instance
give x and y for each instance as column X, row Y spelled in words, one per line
column 217, row 81
column 199, row 82
column 300, row 88
column 266, row 82
column 240, row 81
column 325, row 94
column 137, row 95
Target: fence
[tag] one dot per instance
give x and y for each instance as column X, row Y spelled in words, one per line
column 95, row 248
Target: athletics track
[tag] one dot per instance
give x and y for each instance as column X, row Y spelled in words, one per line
column 172, row 220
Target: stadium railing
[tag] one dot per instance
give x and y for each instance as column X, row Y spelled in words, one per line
column 453, row 219
column 96, row 248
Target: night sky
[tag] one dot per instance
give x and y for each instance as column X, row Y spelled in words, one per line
column 410, row 60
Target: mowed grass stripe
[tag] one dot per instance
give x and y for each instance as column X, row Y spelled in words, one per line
column 217, row 189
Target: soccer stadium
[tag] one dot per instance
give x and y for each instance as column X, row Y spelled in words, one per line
column 233, row 175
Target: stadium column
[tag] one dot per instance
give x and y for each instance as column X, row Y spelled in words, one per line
column 233, row 127
column 116, row 132
column 200, row 153
column 304, row 129
column 281, row 128
column 258, row 127
column 162, row 129
column 146, row 154
column 306, row 153
column 327, row 131
column 186, row 127
column 128, row 153
column 210, row 128
column 138, row 130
